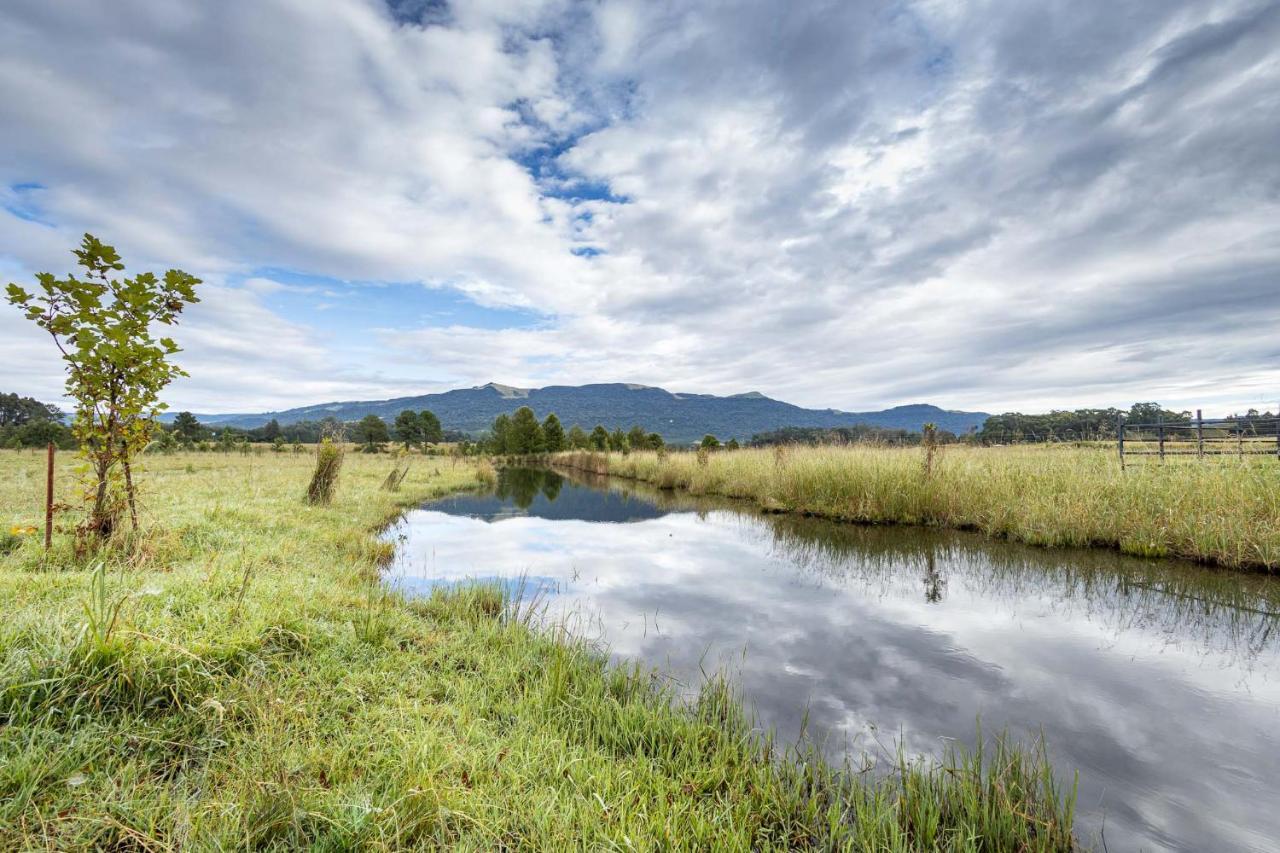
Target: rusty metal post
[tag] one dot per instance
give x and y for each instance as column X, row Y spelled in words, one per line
column 1199, row 434
column 48, row 501
column 1160, row 427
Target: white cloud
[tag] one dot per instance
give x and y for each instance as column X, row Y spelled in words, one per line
column 989, row 205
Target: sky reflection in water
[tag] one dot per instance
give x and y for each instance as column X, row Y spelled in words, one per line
column 1159, row 682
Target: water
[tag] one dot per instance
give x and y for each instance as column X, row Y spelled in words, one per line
column 1159, row 682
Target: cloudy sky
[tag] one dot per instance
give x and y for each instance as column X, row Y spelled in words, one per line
column 997, row 204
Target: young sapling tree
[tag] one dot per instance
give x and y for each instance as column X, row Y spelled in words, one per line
column 116, row 366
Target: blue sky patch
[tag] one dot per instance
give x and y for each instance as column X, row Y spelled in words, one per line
column 348, row 311
column 21, row 202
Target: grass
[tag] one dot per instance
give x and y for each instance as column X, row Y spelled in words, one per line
column 235, row 677
column 1224, row 512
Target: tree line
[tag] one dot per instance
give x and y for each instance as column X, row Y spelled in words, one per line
column 1072, row 425
column 521, row 433
column 26, row 422
column 857, row 434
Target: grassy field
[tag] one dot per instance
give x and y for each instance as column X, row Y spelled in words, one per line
column 1225, row 511
column 236, row 679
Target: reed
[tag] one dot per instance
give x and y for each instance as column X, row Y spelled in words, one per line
column 1221, row 512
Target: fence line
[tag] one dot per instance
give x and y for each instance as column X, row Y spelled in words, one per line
column 1199, row 438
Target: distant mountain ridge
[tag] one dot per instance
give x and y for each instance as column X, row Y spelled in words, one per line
column 678, row 417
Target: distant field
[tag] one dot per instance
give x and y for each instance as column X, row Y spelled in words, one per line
column 1222, row 510
column 237, row 678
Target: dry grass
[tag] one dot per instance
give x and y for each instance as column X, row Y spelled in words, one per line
column 1224, row 512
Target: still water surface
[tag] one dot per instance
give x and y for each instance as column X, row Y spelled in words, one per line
column 1159, row 682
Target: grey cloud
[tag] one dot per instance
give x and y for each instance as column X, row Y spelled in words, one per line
column 844, row 204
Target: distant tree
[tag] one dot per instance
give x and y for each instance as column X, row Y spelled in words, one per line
column 526, row 433
column 654, row 441
column 432, row 431
column 732, row 444
column 618, row 441
column 116, row 367
column 408, row 428
column 599, row 438
column 500, row 434
column 710, row 442
column 187, row 427
column 577, row 438
column 371, row 432
column 637, row 438
column 1150, row 413
column 553, row 433
column 165, row 442
column 38, row 433
column 16, row 411
column 271, row 431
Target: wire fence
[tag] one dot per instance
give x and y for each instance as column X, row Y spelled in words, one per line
column 1197, row 437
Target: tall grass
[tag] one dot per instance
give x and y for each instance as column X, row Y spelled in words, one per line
column 237, row 679
column 1224, row 512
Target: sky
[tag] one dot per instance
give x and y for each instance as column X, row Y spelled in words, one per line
column 994, row 204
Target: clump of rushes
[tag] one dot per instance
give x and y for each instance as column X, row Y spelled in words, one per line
column 486, row 473
column 324, row 480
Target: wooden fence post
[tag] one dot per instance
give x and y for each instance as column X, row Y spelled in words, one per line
column 1160, row 427
column 1199, row 434
column 1120, row 438
column 48, row 501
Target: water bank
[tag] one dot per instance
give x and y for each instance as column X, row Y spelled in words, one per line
column 1220, row 513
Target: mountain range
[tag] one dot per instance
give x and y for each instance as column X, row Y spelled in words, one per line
column 678, row 417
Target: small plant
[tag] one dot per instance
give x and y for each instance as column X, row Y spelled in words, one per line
column 165, row 442
column 371, row 625
column 324, row 480
column 101, row 612
column 486, row 474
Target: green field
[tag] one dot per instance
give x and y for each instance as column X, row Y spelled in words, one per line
column 236, row 678
column 1221, row 511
